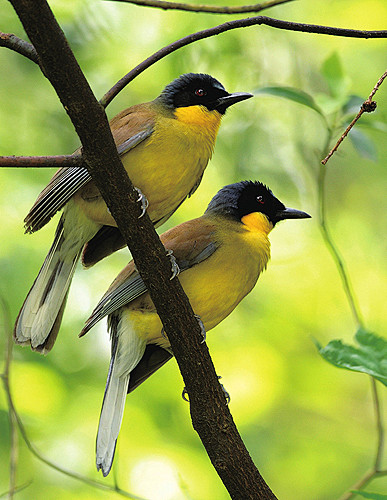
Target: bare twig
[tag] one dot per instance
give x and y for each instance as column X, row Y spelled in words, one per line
column 331, row 245
column 18, row 45
column 5, row 377
column 368, row 106
column 74, row 160
column 17, row 489
column 230, row 25
column 211, row 9
column 379, row 426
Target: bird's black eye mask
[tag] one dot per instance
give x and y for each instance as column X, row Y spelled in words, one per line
column 194, row 90
column 256, row 197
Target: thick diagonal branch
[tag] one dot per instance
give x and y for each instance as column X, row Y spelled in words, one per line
column 210, row 414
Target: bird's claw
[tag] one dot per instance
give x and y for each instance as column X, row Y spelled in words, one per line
column 174, row 264
column 144, row 201
column 184, row 394
column 202, row 329
column 226, row 394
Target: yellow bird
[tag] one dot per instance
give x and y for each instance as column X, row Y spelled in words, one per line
column 220, row 255
column 165, row 146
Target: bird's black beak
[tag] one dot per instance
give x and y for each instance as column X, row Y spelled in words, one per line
column 291, row 213
column 223, row 103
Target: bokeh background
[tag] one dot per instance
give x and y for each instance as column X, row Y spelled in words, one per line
column 308, row 426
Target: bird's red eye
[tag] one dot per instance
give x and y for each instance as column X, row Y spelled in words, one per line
column 200, row 92
column 260, row 199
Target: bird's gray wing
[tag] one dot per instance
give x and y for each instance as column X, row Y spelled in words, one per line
column 129, row 285
column 66, row 182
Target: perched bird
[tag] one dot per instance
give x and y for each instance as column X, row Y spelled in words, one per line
column 165, row 146
column 221, row 255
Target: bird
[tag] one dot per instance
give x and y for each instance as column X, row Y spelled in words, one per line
column 221, row 255
column 165, row 146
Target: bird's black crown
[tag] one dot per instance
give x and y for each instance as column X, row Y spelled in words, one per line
column 243, row 198
column 193, row 89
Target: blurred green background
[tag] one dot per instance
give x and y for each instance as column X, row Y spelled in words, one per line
column 308, row 426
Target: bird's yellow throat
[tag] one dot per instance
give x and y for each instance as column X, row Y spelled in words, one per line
column 257, row 222
column 200, row 116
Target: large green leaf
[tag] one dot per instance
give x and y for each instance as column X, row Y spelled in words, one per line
column 369, row 357
column 292, row 94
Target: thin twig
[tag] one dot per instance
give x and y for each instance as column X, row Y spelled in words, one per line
column 366, row 479
column 230, row 25
column 12, row 423
column 74, row 160
column 211, row 9
column 17, row 489
column 18, row 45
column 368, row 106
column 331, row 245
column 379, row 426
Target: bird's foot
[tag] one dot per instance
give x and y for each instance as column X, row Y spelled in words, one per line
column 163, row 334
column 202, row 329
column 226, row 394
column 184, row 394
column 144, row 201
column 174, row 264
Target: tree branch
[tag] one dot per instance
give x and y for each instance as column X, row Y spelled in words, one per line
column 230, row 25
column 210, row 414
column 74, row 160
column 18, row 45
column 368, row 106
column 211, row 9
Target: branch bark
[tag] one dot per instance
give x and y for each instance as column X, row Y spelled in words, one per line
column 75, row 160
column 210, row 414
column 211, row 9
column 18, row 45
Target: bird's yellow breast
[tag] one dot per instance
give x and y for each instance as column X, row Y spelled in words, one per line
column 168, row 165
column 217, row 285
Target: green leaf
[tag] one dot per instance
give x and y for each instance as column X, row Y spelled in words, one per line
column 363, row 144
column 292, row 94
column 372, row 496
column 333, row 72
column 372, row 124
column 370, row 357
column 329, row 104
column 352, row 105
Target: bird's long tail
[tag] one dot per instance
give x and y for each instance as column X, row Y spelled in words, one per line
column 127, row 351
column 41, row 314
